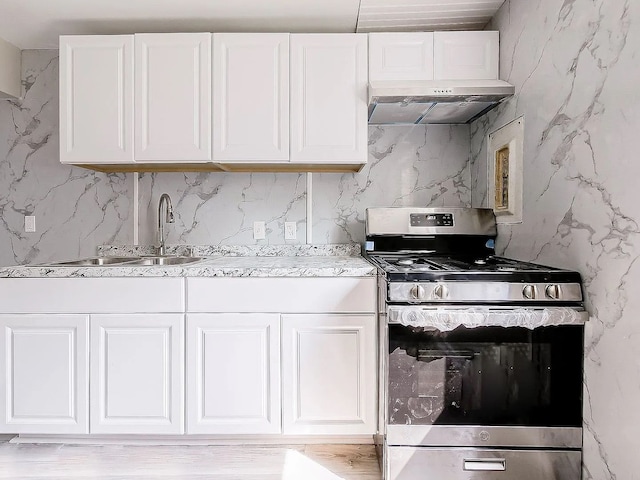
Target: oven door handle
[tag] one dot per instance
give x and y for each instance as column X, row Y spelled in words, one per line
column 430, row 354
column 484, row 464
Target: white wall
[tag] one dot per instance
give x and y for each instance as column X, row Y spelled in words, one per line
column 575, row 68
column 9, row 70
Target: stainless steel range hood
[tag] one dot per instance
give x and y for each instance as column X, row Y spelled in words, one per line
column 434, row 101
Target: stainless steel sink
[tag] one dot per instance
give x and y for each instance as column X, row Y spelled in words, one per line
column 166, row 260
column 95, row 262
column 127, row 261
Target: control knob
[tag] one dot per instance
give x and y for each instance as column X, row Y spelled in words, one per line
column 440, row 291
column 529, row 292
column 417, row 292
column 552, row 292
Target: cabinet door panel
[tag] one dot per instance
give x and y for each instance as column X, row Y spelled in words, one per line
column 329, row 374
column 329, row 98
column 400, row 56
column 44, row 360
column 137, row 365
column 173, row 97
column 233, row 373
column 466, row 55
column 251, row 97
column 96, row 99
column 281, row 295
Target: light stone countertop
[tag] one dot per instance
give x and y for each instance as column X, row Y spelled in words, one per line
column 280, row 261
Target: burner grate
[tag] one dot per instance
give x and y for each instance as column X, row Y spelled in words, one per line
column 410, row 263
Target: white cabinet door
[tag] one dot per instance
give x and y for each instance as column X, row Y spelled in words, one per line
column 329, row 98
column 96, row 99
column 466, row 55
column 44, row 368
column 329, row 374
column 173, row 97
column 137, row 379
column 233, row 373
column 251, row 97
column 400, row 56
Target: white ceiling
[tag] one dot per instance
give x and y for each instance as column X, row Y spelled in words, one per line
column 419, row 15
column 37, row 23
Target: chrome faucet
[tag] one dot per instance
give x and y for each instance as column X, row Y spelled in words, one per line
column 168, row 218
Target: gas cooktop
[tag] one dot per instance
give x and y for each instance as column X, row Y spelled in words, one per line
column 407, row 266
column 433, row 255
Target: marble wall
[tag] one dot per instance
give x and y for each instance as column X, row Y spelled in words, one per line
column 421, row 165
column 575, row 67
column 75, row 209
column 424, row 165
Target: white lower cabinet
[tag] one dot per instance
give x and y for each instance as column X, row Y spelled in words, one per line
column 137, row 379
column 292, row 364
column 44, row 361
column 233, row 373
column 329, row 374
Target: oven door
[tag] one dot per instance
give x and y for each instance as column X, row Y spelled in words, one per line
column 485, row 386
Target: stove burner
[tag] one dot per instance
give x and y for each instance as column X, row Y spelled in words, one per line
column 405, row 262
column 480, row 262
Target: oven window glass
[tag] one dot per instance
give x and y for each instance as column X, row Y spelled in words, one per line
column 488, row 376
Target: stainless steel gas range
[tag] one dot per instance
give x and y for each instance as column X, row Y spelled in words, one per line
column 481, row 356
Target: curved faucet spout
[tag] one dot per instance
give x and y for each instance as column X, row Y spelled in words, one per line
column 165, row 200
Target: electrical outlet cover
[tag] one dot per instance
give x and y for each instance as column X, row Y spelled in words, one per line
column 259, row 231
column 29, row 223
column 290, row 230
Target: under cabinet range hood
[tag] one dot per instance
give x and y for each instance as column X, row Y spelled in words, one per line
column 434, row 101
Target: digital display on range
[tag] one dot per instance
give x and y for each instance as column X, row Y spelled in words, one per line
column 431, row 219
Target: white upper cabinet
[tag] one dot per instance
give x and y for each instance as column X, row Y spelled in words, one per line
column 329, row 98
column 466, row 55
column 45, row 359
column 173, row 97
column 400, row 56
column 251, row 97
column 235, row 101
column 96, row 99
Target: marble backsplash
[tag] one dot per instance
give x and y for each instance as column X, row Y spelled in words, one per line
column 424, row 165
column 75, row 209
column 575, row 68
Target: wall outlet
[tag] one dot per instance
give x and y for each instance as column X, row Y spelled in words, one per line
column 30, row 223
column 259, row 231
column 290, row 230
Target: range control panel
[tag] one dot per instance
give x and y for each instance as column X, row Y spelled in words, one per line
column 431, row 219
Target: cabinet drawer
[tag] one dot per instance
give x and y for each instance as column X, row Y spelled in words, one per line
column 92, row 295
column 408, row 463
column 281, row 295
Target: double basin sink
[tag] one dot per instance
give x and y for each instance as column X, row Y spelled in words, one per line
column 128, row 261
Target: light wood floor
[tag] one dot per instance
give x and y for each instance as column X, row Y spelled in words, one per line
column 124, row 462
